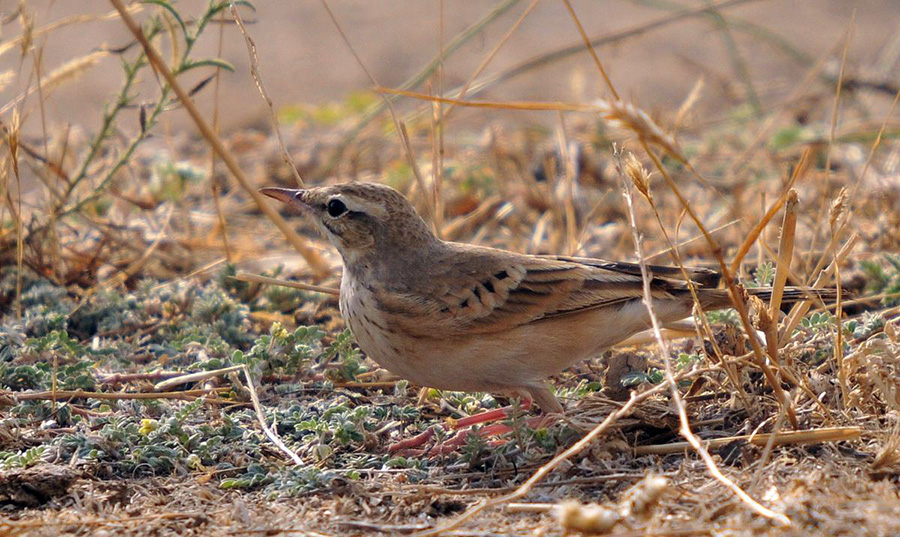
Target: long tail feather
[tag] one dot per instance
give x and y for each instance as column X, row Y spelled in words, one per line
column 720, row 298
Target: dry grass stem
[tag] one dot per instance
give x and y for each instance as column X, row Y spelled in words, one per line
column 194, row 377
column 814, row 436
column 754, row 234
column 417, row 173
column 767, row 450
column 669, row 249
column 487, row 60
column 619, row 114
column 590, row 48
column 837, row 211
column 569, row 179
column 187, row 395
column 255, row 278
column 689, row 102
column 801, row 308
column 270, row 433
column 398, row 124
column 785, row 252
column 257, row 78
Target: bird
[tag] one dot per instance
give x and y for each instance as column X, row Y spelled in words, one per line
column 462, row 317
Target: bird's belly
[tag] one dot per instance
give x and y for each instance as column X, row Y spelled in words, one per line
column 481, row 362
column 521, row 356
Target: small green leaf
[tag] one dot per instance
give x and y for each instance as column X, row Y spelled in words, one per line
column 210, row 62
column 172, row 11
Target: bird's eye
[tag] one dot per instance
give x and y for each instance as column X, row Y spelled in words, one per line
column 336, row 208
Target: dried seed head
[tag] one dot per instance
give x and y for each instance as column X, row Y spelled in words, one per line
column 761, row 318
column 838, row 208
column 638, row 175
column 26, row 20
column 71, row 70
column 585, row 518
column 5, row 78
column 643, row 496
column 630, row 117
column 890, row 330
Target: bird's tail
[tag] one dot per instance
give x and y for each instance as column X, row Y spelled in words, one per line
column 720, row 298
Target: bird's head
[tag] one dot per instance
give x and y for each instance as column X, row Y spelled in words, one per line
column 360, row 219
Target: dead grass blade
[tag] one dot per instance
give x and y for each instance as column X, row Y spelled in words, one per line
column 420, row 77
column 255, row 278
column 814, row 436
column 484, row 63
column 257, row 78
column 799, row 171
column 619, row 113
column 785, row 252
column 800, row 308
column 398, row 124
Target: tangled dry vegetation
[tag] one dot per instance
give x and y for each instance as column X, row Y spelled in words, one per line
column 123, row 254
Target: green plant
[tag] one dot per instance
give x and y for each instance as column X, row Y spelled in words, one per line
column 167, row 20
column 884, row 279
column 764, row 275
column 23, row 459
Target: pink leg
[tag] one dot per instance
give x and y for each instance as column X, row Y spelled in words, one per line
column 454, row 442
column 489, row 415
column 459, row 439
column 544, row 397
column 413, row 442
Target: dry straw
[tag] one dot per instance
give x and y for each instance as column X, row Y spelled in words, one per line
column 65, row 73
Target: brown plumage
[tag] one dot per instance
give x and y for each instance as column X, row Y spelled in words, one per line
column 462, row 317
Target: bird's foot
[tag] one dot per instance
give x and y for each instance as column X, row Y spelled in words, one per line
column 408, row 446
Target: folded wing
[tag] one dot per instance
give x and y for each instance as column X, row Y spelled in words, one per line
column 500, row 291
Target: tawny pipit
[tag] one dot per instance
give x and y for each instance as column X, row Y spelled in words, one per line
column 461, row 317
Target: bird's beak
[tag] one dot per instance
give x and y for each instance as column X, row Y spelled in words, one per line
column 291, row 196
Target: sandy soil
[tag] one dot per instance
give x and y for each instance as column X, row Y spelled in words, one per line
column 304, row 60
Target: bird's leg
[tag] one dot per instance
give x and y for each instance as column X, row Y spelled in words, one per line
column 413, row 442
column 540, row 394
column 490, row 415
column 459, row 439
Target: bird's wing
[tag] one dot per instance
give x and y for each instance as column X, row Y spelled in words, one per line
column 497, row 291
